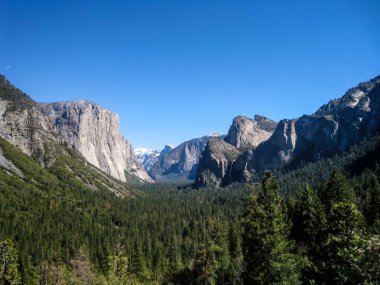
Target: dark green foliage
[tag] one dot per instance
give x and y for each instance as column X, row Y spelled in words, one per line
column 337, row 190
column 9, row 273
column 345, row 233
column 309, row 227
column 345, row 243
column 314, row 174
column 372, row 204
column 268, row 253
column 55, row 214
column 65, row 224
column 370, row 261
column 18, row 99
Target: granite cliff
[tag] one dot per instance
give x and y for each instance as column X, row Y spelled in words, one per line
column 95, row 132
column 91, row 129
column 181, row 163
column 333, row 128
column 249, row 133
column 223, row 161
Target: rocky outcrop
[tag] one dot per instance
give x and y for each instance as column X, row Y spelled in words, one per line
column 216, row 163
column 247, row 133
column 335, row 127
column 181, row 163
column 224, row 162
column 21, row 121
column 95, row 132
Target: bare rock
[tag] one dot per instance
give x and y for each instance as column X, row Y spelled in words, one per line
column 248, row 133
column 216, row 163
column 95, row 132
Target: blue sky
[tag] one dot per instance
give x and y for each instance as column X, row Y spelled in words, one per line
column 175, row 70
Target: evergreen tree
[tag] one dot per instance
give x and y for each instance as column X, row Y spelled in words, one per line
column 267, row 251
column 337, row 189
column 9, row 273
column 206, row 263
column 345, row 243
column 308, row 230
column 236, row 254
column 118, row 266
column 370, row 261
column 372, row 204
column 309, row 219
column 138, row 263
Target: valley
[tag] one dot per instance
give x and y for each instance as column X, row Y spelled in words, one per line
column 79, row 206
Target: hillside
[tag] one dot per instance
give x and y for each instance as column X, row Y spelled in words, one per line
column 332, row 129
column 90, row 128
column 67, row 227
column 64, row 221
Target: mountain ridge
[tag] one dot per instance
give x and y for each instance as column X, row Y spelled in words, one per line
column 180, row 163
column 90, row 128
column 333, row 128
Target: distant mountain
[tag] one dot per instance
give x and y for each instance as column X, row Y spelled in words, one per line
column 180, row 163
column 91, row 129
column 148, row 156
column 333, row 128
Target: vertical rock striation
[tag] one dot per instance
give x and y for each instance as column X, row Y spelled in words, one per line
column 335, row 127
column 248, row 133
column 180, row 163
column 95, row 132
column 226, row 161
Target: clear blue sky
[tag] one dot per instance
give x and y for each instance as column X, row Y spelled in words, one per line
column 175, row 70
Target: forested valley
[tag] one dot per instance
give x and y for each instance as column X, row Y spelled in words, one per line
column 312, row 223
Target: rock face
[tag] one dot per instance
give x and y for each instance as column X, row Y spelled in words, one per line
column 148, row 156
column 181, row 163
column 216, row 162
column 335, row 127
column 21, row 121
column 247, row 133
column 95, row 132
column 224, row 162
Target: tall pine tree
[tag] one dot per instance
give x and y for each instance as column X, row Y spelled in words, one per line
column 309, row 230
column 267, row 251
column 345, row 232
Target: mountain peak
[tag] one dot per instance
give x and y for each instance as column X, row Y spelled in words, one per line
column 246, row 132
column 214, row 135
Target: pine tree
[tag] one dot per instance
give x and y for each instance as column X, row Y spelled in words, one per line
column 337, row 189
column 235, row 267
column 345, row 232
column 138, row 263
column 9, row 273
column 118, row 265
column 267, row 251
column 206, row 263
column 372, row 205
column 345, row 243
column 309, row 219
column 308, row 230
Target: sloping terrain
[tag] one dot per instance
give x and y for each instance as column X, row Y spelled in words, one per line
column 335, row 127
column 91, row 129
